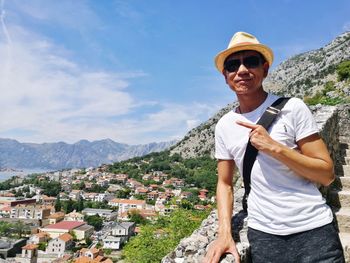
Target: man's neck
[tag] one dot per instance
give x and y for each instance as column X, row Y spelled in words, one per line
column 250, row 103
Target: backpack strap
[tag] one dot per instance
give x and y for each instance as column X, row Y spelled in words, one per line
column 251, row 152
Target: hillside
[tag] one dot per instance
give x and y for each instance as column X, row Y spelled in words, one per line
column 306, row 73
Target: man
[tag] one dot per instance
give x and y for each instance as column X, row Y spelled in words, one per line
column 288, row 220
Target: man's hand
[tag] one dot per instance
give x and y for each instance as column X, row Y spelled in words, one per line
column 219, row 247
column 259, row 137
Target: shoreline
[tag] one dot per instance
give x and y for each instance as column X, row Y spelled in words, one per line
column 7, row 173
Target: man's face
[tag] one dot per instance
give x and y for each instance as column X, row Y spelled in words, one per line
column 245, row 72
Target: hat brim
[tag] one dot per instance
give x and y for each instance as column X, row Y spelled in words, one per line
column 264, row 50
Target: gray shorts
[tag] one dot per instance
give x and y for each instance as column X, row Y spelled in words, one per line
column 319, row 245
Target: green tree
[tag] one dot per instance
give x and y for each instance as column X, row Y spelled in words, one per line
column 157, row 239
column 20, row 229
column 95, row 220
column 80, row 206
column 42, row 246
column 343, row 70
column 134, row 216
column 68, row 206
column 58, row 204
column 5, row 228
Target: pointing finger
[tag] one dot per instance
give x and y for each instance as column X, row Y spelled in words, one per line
column 247, row 125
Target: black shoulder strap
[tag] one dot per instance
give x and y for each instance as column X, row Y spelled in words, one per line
column 251, row 152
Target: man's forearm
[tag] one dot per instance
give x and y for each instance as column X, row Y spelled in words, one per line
column 224, row 195
column 317, row 168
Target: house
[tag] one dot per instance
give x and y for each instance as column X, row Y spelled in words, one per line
column 141, row 191
column 38, row 238
column 152, row 195
column 121, row 178
column 30, row 212
column 64, row 259
column 56, row 217
column 5, row 211
column 132, row 183
column 62, row 227
column 114, row 188
column 111, row 242
column 48, row 200
column 124, row 229
column 92, row 255
column 74, row 216
column 185, row 195
column 145, row 213
column 6, row 199
column 203, row 194
column 107, row 214
column 153, row 187
column 75, row 195
column 83, row 232
column 29, row 253
column 124, row 205
column 60, row 244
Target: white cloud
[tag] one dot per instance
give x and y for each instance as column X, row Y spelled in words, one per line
column 47, row 97
column 41, row 89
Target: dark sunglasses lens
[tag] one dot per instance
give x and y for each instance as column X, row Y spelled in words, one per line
column 251, row 62
column 232, row 65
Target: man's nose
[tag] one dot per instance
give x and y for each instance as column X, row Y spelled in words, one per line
column 242, row 69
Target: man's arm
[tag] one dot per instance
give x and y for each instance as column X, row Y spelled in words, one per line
column 224, row 195
column 312, row 162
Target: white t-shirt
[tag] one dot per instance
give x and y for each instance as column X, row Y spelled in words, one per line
column 280, row 202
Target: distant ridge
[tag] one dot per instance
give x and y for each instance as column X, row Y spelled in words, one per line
column 60, row 155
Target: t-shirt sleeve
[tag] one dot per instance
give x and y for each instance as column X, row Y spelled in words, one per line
column 221, row 151
column 304, row 123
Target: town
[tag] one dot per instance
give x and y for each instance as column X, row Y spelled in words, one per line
column 86, row 215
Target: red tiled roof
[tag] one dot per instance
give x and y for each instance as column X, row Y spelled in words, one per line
column 30, row 247
column 67, row 225
column 127, row 201
column 65, row 237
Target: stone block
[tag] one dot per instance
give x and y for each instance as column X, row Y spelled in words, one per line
column 345, row 240
column 343, row 220
column 339, row 198
column 346, row 169
column 345, row 183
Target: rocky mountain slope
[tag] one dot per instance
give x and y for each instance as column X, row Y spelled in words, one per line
column 14, row 154
column 300, row 76
column 306, row 73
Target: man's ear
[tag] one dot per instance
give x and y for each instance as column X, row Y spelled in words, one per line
column 266, row 69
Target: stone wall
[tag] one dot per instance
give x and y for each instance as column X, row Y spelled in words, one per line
column 333, row 122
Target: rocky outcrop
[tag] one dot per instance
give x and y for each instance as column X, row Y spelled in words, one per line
column 306, row 73
column 334, row 124
column 200, row 141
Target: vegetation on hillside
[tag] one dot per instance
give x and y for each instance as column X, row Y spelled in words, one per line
column 159, row 238
column 198, row 172
column 330, row 95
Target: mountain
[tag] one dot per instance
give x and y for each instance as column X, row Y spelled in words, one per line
column 304, row 74
column 300, row 76
column 61, row 155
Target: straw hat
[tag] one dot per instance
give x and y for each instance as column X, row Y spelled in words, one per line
column 243, row 41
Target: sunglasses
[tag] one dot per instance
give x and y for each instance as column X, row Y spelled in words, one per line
column 233, row 65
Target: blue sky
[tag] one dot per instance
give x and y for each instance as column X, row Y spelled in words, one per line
column 136, row 71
